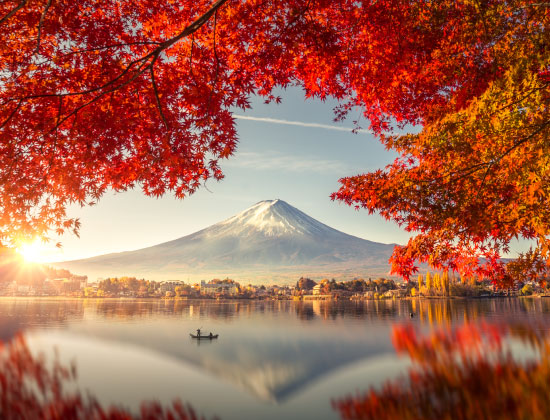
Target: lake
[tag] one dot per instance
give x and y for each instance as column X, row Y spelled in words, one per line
column 272, row 360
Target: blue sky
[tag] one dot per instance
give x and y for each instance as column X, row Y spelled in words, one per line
column 298, row 164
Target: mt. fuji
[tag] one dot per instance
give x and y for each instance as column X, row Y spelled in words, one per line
column 270, row 240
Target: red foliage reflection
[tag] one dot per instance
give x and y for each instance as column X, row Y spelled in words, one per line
column 32, row 388
column 466, row 373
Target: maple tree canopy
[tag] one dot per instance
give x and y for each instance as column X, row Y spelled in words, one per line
column 477, row 175
column 104, row 94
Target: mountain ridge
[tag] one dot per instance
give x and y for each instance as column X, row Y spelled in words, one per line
column 269, row 238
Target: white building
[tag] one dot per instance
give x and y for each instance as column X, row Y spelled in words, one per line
column 169, row 286
column 213, row 288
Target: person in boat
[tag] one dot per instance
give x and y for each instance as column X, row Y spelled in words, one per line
column 198, row 332
column 210, row 335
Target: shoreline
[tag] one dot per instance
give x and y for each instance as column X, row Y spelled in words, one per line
column 290, row 298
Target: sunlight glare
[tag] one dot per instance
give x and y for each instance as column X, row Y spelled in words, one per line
column 31, row 252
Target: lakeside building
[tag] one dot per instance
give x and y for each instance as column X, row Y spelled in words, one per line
column 170, row 285
column 44, row 287
column 395, row 293
column 214, row 288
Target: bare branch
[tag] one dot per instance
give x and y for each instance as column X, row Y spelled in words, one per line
column 155, row 89
column 143, row 63
column 12, row 114
column 14, row 11
column 523, row 140
column 92, row 90
column 58, row 114
column 195, row 26
column 191, row 54
column 140, row 70
column 214, row 42
column 506, row 152
column 106, row 47
column 215, row 81
column 40, row 25
column 546, row 4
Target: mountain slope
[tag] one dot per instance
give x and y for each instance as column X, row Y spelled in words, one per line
column 271, row 238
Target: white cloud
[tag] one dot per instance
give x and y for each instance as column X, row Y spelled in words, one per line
column 298, row 123
column 270, row 160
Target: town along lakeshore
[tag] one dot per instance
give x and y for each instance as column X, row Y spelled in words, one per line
column 54, row 282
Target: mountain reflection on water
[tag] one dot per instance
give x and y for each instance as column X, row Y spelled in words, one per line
column 273, row 358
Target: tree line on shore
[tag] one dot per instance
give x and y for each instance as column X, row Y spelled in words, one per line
column 380, row 285
column 448, row 284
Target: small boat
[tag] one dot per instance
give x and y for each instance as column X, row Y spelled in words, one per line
column 203, row 337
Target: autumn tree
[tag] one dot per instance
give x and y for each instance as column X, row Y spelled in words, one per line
column 445, row 282
column 429, row 282
column 305, row 284
column 98, row 95
column 481, row 94
column 420, row 280
column 325, row 285
column 438, row 281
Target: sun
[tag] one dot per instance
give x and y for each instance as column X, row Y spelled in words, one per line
column 31, row 252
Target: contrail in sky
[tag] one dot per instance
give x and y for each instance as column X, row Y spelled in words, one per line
column 298, row 123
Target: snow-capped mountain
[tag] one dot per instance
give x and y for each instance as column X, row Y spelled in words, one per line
column 271, row 239
column 271, row 218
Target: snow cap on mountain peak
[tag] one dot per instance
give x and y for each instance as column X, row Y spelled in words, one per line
column 273, row 218
column 268, row 202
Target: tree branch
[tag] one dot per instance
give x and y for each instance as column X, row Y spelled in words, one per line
column 546, row 4
column 191, row 54
column 506, row 152
column 141, row 69
column 40, row 25
column 14, row 11
column 215, row 81
column 106, row 47
column 12, row 114
column 155, row 90
column 193, row 27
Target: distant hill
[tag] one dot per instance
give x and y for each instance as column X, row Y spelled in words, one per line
column 271, row 240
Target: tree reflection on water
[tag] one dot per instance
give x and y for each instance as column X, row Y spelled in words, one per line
column 469, row 372
column 32, row 388
column 433, row 311
column 476, row 370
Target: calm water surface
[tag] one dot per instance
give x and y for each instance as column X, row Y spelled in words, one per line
column 272, row 360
